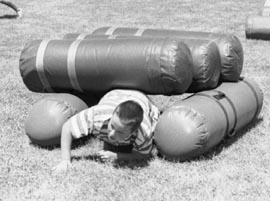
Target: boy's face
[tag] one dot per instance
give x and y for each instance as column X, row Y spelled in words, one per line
column 117, row 130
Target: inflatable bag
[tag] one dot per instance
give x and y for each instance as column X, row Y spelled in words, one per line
column 205, row 55
column 258, row 27
column 193, row 126
column 230, row 47
column 154, row 66
column 206, row 64
column 45, row 119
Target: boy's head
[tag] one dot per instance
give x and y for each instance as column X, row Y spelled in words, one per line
column 126, row 119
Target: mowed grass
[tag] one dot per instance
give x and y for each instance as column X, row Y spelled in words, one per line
column 237, row 169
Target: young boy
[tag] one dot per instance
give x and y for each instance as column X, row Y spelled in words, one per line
column 123, row 119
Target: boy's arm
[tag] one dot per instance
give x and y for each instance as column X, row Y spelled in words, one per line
column 66, row 141
column 113, row 156
column 132, row 156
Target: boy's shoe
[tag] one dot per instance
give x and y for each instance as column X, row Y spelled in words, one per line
column 19, row 13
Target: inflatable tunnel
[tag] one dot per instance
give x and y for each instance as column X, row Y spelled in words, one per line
column 258, row 27
column 230, row 47
column 154, row 66
column 193, row 126
column 205, row 56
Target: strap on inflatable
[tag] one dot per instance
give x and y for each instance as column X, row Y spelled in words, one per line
column 220, row 95
column 255, row 95
column 40, row 65
column 232, row 131
column 71, row 65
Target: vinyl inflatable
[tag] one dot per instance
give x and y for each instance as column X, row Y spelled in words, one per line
column 45, row 119
column 258, row 27
column 230, row 47
column 193, row 126
column 154, row 66
column 205, row 55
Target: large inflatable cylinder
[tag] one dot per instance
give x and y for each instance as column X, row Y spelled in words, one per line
column 258, row 27
column 154, row 66
column 205, row 56
column 230, row 47
column 193, row 126
column 44, row 122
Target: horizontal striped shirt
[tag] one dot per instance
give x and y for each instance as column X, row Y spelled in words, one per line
column 94, row 120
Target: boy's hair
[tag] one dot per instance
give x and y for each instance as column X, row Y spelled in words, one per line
column 131, row 112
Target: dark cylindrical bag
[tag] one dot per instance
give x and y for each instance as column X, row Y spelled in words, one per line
column 205, row 57
column 154, row 66
column 230, row 47
column 258, row 27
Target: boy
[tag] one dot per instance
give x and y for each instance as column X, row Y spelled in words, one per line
column 123, row 119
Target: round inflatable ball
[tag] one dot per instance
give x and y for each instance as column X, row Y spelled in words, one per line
column 45, row 119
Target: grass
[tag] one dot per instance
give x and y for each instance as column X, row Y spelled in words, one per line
column 237, row 169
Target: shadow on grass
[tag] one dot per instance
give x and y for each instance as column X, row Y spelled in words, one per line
column 8, row 16
column 134, row 164
column 226, row 142
column 96, row 144
column 75, row 144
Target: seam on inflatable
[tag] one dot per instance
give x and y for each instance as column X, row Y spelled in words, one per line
column 150, row 53
column 71, row 65
column 66, row 105
column 40, row 65
column 167, row 66
column 221, row 106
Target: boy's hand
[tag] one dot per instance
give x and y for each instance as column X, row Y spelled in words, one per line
column 106, row 156
column 62, row 167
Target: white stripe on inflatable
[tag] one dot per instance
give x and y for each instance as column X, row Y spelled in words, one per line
column 139, row 32
column 266, row 8
column 267, row 3
column 81, row 36
column 40, row 65
column 71, row 65
column 110, row 31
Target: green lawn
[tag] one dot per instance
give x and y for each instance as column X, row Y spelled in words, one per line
column 237, row 169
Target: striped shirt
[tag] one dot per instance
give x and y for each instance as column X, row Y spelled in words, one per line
column 94, row 120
